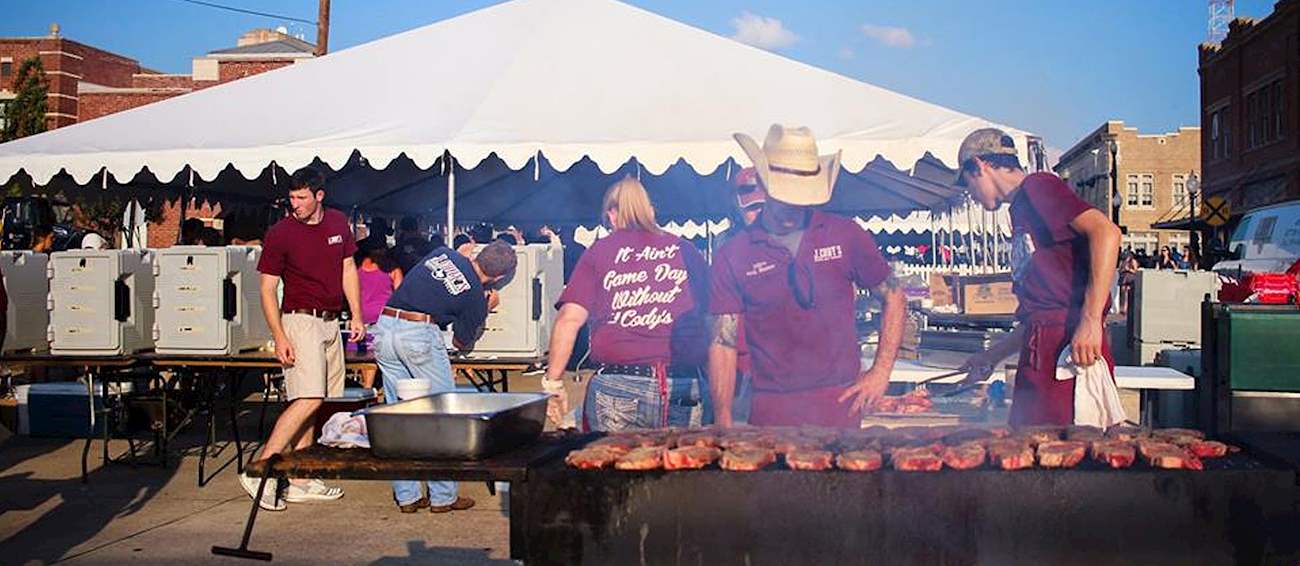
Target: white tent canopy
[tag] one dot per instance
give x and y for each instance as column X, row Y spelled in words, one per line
column 561, row 79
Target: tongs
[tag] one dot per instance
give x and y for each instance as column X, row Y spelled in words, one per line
column 921, row 384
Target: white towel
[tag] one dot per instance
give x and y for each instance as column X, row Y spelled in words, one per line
column 345, row 430
column 1096, row 399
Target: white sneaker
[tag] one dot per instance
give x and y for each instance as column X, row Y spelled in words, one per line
column 269, row 500
column 314, row 490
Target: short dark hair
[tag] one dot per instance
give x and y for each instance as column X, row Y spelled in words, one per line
column 995, row 160
column 307, row 178
column 460, row 240
column 481, row 233
column 497, row 259
column 409, row 224
column 508, row 238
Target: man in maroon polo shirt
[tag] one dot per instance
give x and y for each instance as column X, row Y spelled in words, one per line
column 1063, row 261
column 791, row 278
column 311, row 252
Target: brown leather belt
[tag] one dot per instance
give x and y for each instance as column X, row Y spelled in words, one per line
column 318, row 313
column 411, row 316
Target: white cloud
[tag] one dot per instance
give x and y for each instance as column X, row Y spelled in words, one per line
column 890, row 36
column 761, row 32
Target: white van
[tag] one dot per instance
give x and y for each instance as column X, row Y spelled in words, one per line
column 1266, row 241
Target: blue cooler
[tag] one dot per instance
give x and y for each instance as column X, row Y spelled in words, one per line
column 62, row 410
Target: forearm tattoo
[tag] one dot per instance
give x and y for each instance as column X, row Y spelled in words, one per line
column 724, row 330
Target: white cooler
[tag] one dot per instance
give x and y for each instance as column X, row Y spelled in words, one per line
column 27, row 282
column 101, row 302
column 208, row 300
column 520, row 327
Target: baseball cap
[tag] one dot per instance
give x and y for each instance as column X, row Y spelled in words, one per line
column 981, row 142
column 748, row 191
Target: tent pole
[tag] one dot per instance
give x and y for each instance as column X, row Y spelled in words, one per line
column 934, row 242
column 450, row 163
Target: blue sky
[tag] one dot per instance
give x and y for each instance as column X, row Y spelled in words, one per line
column 1058, row 68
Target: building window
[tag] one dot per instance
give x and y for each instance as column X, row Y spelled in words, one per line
column 1264, row 115
column 1180, row 190
column 6, row 68
column 1132, row 190
column 1148, row 191
column 1148, row 242
column 4, row 109
column 1220, row 133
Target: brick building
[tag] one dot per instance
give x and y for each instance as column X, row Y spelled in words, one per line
column 1250, row 111
column 86, row 83
column 1153, row 171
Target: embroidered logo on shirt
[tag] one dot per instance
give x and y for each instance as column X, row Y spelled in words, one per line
column 1022, row 249
column 335, row 239
column 443, row 269
column 759, row 268
column 828, row 253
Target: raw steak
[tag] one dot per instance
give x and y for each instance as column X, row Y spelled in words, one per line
column 1061, row 453
column 1179, row 436
column 747, row 459
column 705, row 439
column 593, row 458
column 1036, row 435
column 922, row 459
column 1115, row 453
column 860, row 460
column 690, row 457
column 812, row 460
column 1121, row 432
column 1011, row 454
column 645, row 458
column 1208, row 449
column 1171, row 457
column 1087, row 434
column 964, row 456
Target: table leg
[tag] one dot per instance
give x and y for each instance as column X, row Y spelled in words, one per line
column 505, row 381
column 108, row 432
column 234, row 419
column 1148, row 407
column 209, row 394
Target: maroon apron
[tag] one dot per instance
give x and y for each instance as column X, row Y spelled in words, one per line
column 817, row 407
column 1039, row 398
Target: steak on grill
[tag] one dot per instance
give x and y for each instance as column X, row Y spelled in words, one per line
column 809, row 460
column 860, row 460
column 1086, row 434
column 747, row 459
column 1208, row 449
column 705, row 439
column 690, row 457
column 593, row 458
column 1011, row 454
column 1115, row 453
column 1061, row 453
column 1122, row 432
column 967, row 435
column 617, row 442
column 922, row 459
column 1171, row 457
column 1179, row 436
column 964, row 456
column 1036, row 435
column 645, row 458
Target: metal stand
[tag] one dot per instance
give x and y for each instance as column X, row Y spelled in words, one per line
column 242, row 551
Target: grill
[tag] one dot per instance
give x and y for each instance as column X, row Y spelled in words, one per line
column 1240, row 509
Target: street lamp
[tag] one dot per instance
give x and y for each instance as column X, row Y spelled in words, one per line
column 1115, row 198
column 1194, row 237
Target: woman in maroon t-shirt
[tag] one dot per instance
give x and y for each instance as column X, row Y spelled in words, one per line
column 645, row 293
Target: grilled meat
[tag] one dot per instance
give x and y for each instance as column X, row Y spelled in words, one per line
column 810, row 460
column 593, row 458
column 1208, row 449
column 1011, row 454
column 1061, row 453
column 690, row 457
column 860, row 460
column 1115, row 453
column 922, row 459
column 964, row 456
column 645, row 458
column 747, row 459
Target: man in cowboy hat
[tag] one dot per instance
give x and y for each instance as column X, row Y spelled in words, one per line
column 790, row 278
column 1063, row 257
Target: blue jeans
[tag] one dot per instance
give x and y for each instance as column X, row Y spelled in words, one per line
column 619, row 402
column 414, row 350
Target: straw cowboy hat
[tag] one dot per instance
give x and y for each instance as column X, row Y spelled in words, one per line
column 789, row 168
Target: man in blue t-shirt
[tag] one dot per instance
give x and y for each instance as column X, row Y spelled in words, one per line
column 443, row 288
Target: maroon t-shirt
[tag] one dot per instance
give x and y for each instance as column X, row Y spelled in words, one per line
column 646, row 297
column 309, row 259
column 1049, row 258
column 793, row 348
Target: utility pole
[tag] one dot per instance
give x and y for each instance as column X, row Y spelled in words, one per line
column 323, row 29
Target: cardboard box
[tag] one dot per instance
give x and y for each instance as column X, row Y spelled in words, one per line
column 941, row 289
column 988, row 294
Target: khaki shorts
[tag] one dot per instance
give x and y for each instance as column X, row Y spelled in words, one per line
column 317, row 372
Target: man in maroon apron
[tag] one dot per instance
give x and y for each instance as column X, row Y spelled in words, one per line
column 1064, row 254
column 791, row 278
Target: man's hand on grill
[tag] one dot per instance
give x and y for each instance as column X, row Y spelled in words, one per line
column 1085, row 348
column 870, row 388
